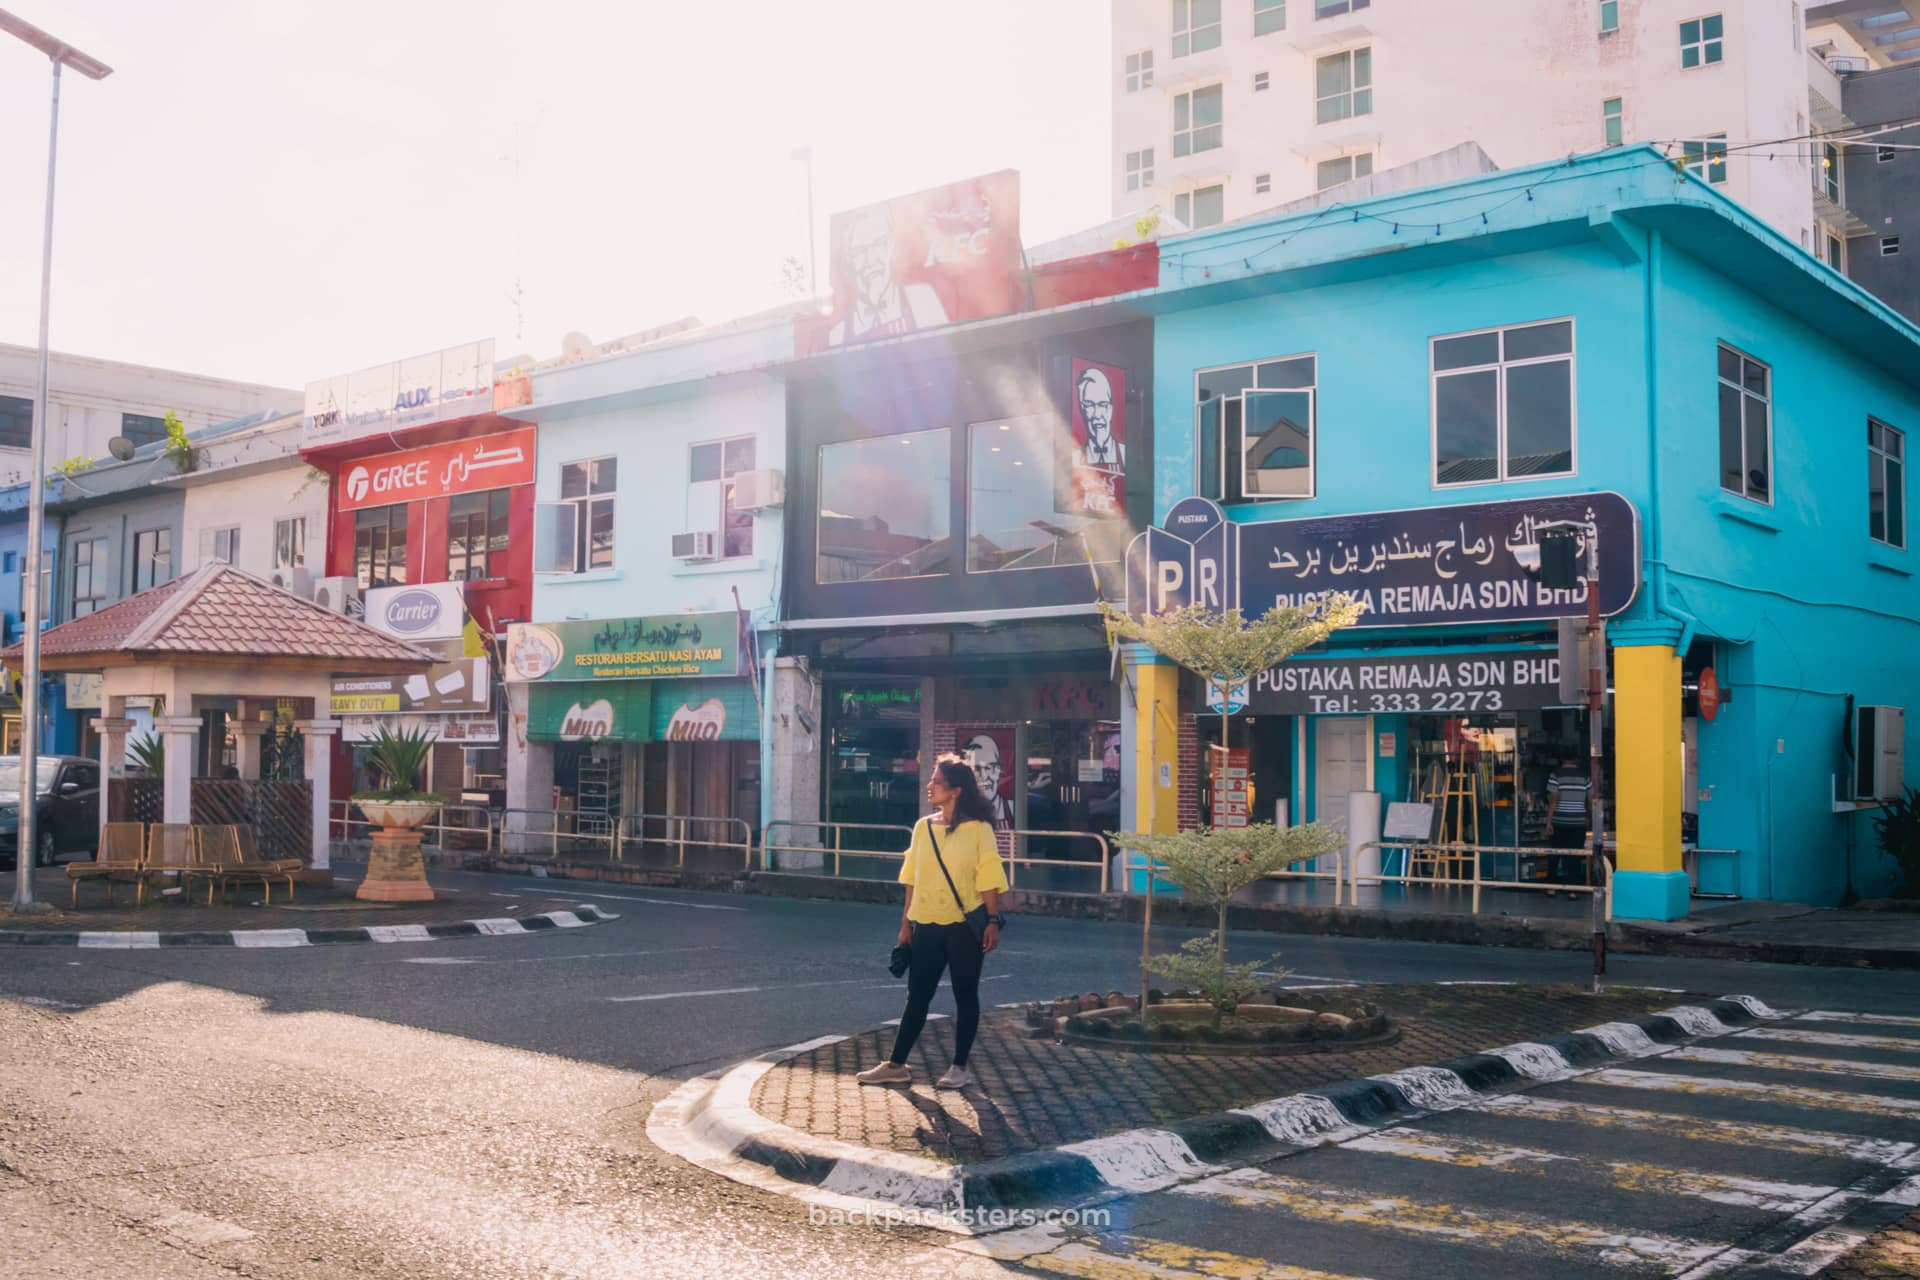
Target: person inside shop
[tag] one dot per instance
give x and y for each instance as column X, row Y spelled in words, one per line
column 954, row 880
column 1567, row 791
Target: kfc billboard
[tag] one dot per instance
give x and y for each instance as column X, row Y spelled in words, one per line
column 1097, row 408
column 439, row 470
column 920, row 261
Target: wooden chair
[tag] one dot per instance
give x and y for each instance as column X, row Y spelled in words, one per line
column 227, row 856
column 121, row 857
column 169, row 852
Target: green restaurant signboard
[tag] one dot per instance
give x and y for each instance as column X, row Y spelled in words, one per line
column 673, row 646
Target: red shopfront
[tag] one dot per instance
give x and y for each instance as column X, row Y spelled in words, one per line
column 448, row 502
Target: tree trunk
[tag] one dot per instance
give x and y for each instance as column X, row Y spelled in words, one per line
column 1220, row 934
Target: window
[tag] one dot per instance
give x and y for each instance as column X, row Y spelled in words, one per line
column 1196, row 26
column 711, row 471
column 46, row 583
column 1706, row 158
column 1206, row 207
column 152, row 558
column 1023, row 508
column 1269, row 16
column 1611, row 121
column 575, row 534
column 1826, row 174
column 886, row 505
column 1503, row 404
column 1609, row 16
column 380, row 546
column 1140, row 169
column 1261, row 81
column 1884, row 155
column 1746, row 426
column 1836, row 252
column 1796, row 23
column 1331, row 173
column 1262, row 183
column 142, row 428
column 220, row 544
column 1700, row 41
column 1889, row 246
column 16, row 422
column 1886, row 484
column 1140, row 71
column 1196, row 121
column 7, row 562
column 1255, row 428
column 1334, row 8
column 1343, row 85
column 92, row 576
column 290, row 543
column 477, row 536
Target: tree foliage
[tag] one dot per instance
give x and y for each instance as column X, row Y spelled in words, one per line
column 1224, row 648
column 1224, row 986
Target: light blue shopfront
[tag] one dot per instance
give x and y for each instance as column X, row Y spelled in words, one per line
column 1784, row 589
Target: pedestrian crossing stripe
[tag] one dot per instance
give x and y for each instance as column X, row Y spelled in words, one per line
column 1475, row 1153
column 1344, row 1206
column 1835, row 1015
column 1900, row 1044
column 1792, row 1095
column 1798, row 1062
column 1770, row 1137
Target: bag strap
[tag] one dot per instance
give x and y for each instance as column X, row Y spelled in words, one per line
column 958, row 905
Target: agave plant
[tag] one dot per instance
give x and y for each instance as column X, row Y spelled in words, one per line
column 148, row 753
column 399, row 758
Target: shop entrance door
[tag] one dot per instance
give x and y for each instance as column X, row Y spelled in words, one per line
column 874, row 777
column 1073, row 784
column 1339, row 767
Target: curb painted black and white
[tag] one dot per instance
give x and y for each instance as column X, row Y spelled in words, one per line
column 710, row 1122
column 136, row 940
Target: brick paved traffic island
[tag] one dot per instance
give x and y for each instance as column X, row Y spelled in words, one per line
column 1036, row 1092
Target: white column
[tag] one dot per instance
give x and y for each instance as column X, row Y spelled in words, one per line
column 178, row 734
column 319, row 739
column 529, row 777
column 113, row 731
column 247, row 736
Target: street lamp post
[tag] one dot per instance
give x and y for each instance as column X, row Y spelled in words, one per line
column 26, row 842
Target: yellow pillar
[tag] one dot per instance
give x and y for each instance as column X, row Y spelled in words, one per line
column 1156, row 752
column 1650, row 883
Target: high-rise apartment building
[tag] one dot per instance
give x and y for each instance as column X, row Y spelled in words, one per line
column 1226, row 107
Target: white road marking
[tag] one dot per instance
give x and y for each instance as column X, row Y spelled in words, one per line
column 805, row 1046
column 736, row 991
column 498, row 926
column 440, row 960
column 1835, row 1039
column 1797, row 1062
column 622, row 897
column 1866, row 1104
column 120, row 941
column 399, row 933
column 1142, row 1159
column 1834, row 1015
column 270, row 937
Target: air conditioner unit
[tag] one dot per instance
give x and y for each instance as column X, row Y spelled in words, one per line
column 341, row 594
column 760, row 490
column 697, row 544
column 298, row 580
column 1879, row 753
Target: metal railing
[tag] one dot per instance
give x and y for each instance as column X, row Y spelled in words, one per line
column 674, row 829
column 1690, row 856
column 341, row 814
column 1102, row 850
column 554, row 828
column 837, row 849
column 1436, row 854
column 1132, row 864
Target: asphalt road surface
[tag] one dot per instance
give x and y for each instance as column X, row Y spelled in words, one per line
column 475, row 1108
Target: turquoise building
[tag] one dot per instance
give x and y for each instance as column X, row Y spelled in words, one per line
column 1507, row 351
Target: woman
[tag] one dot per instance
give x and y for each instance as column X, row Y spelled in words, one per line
column 935, row 924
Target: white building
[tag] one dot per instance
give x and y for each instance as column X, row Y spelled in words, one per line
column 91, row 401
column 1228, row 107
column 253, row 502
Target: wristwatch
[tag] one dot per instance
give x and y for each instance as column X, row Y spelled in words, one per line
column 998, row 919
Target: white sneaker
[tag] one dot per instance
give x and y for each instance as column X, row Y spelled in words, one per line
column 955, row 1078
column 886, row 1073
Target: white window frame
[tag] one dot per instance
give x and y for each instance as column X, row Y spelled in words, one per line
column 1716, row 43
column 581, row 515
column 1889, row 246
column 1139, row 169
column 1267, row 8
column 290, row 534
column 1188, row 196
column 1829, row 173
column 1742, row 492
column 1353, row 168
column 1613, row 122
column 1313, row 432
column 1833, row 251
column 1702, row 165
column 1138, row 70
column 1884, row 155
column 1191, row 136
column 1262, row 81
column 1878, row 456
column 1351, row 92
column 210, row 545
column 151, row 570
column 1185, row 39
column 1499, row 368
column 1262, row 184
column 725, row 484
column 1322, row 11
column 1609, row 9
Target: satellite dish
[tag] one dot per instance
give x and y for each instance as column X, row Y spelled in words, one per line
column 121, row 448
column 575, row 345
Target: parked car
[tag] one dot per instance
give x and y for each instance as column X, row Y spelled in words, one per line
column 68, row 807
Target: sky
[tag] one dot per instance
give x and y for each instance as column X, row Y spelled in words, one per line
column 281, row 190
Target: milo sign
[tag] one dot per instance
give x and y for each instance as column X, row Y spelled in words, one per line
column 704, row 723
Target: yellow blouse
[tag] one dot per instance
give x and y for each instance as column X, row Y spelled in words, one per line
column 973, row 860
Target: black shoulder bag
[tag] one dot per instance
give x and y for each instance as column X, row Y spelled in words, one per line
column 976, row 918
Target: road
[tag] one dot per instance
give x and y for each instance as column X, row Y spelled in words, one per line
column 475, row 1107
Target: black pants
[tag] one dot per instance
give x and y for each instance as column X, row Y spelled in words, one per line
column 941, row 948
column 1568, row 870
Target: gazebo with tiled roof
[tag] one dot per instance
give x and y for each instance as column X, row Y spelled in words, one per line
column 220, row 633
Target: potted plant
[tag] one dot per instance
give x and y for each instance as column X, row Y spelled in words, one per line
column 396, row 871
